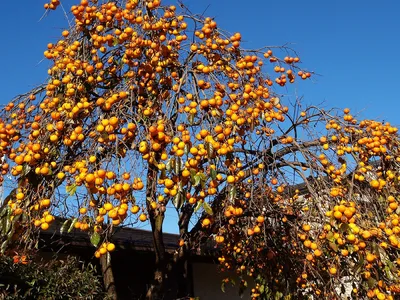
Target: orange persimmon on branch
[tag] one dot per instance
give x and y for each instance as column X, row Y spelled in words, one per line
column 148, row 105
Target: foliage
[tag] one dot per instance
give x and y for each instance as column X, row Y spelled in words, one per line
column 148, row 105
column 334, row 235
column 56, row 279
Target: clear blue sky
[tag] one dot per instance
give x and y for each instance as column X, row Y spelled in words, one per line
column 353, row 45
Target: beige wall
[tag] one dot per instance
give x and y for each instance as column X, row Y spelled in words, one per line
column 207, row 284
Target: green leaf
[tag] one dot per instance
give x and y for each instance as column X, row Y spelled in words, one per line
column 330, row 237
column 95, row 239
column 278, row 295
column 344, row 228
column 180, row 188
column 398, row 210
column 6, row 225
column 213, row 174
column 360, row 264
column 203, row 176
column 25, row 169
column 10, row 233
column 199, row 204
column 170, row 164
column 207, row 208
column 232, row 193
column 197, row 180
column 193, row 172
column 223, row 286
column 333, row 246
column 178, row 166
column 261, row 289
column 71, row 189
column 187, row 149
column 3, row 212
column 3, row 246
column 391, row 266
column 163, row 174
column 203, row 179
column 72, row 224
column 382, row 253
column 210, row 149
column 375, row 249
column 388, row 273
column 191, row 119
column 177, row 201
column 65, row 226
column 371, row 282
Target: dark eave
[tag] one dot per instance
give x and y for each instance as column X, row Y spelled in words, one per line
column 124, row 238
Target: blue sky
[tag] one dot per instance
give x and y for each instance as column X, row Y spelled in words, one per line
column 353, row 45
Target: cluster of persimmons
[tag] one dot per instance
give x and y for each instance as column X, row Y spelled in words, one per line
column 137, row 86
column 335, row 235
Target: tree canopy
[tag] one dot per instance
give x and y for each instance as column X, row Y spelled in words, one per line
column 149, row 105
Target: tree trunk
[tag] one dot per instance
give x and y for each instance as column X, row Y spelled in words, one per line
column 182, row 267
column 183, row 274
column 108, row 276
column 157, row 286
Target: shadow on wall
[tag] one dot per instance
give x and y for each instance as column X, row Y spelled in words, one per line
column 207, row 283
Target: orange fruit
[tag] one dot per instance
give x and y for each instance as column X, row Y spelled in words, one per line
column 230, row 179
column 44, row 226
column 108, row 206
column 135, row 209
column 142, row 217
column 317, row 252
column 110, row 247
column 332, row 270
column 370, row 257
column 337, row 214
column 205, row 222
column 219, row 239
column 90, row 178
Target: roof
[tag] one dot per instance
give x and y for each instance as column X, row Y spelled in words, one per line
column 124, row 238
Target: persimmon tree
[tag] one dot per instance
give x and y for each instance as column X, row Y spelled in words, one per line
column 333, row 236
column 149, row 107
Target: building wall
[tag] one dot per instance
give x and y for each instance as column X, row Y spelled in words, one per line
column 133, row 271
column 207, row 284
